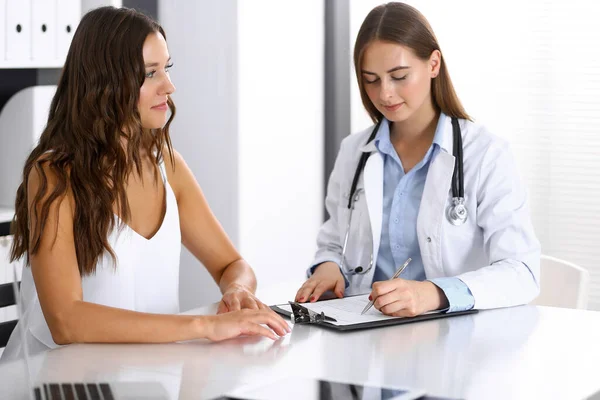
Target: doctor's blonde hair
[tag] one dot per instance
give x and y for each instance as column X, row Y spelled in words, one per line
column 402, row 24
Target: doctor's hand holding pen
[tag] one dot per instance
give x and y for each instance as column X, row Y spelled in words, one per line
column 407, row 298
column 326, row 276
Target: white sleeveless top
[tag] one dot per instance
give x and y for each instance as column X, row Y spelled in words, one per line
column 146, row 279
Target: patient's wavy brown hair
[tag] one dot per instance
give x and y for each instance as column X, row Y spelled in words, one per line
column 93, row 111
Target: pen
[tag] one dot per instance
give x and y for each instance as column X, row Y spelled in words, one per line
column 397, row 274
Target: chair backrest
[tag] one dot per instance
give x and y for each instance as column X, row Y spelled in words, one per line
column 563, row 284
column 7, row 294
column 7, row 298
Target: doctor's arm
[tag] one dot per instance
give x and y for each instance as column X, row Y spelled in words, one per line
column 513, row 274
column 205, row 238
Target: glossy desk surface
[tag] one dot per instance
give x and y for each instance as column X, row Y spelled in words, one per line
column 525, row 352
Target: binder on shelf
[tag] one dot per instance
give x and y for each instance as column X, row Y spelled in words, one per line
column 18, row 30
column 43, row 31
column 68, row 14
column 2, row 30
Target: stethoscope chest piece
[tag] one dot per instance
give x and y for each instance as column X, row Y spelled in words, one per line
column 457, row 212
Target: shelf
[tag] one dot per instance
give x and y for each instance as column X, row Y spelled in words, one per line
column 30, row 64
column 6, row 215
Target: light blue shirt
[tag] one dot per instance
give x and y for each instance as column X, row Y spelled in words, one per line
column 402, row 195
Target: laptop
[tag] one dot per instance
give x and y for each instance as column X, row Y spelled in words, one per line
column 82, row 390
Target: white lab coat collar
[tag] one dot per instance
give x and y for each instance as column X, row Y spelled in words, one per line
column 446, row 143
column 368, row 147
column 447, row 138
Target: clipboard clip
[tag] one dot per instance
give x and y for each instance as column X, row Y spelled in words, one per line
column 302, row 315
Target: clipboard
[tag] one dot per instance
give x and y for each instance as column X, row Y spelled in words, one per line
column 302, row 314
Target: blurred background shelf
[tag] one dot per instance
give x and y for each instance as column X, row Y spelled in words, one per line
column 6, row 215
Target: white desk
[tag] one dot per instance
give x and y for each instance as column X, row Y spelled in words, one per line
column 526, row 352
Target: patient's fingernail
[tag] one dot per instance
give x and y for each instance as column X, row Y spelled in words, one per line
column 370, row 297
column 301, row 299
column 313, row 298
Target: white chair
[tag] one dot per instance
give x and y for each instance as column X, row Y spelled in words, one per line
column 563, row 284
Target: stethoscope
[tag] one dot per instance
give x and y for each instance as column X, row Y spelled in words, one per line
column 456, row 213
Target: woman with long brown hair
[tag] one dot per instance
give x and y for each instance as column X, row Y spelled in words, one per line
column 106, row 202
column 426, row 192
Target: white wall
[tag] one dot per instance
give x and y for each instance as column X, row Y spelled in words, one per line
column 202, row 40
column 281, row 135
column 528, row 71
column 249, row 78
column 87, row 5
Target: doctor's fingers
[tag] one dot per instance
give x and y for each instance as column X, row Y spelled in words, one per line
column 385, row 299
column 306, row 289
column 321, row 288
column 340, row 287
column 382, row 287
column 401, row 308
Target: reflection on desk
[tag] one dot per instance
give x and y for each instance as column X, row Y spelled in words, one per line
column 514, row 353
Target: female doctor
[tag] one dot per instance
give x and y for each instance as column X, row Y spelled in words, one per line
column 424, row 183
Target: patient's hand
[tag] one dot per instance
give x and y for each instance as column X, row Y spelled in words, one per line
column 238, row 297
column 245, row 323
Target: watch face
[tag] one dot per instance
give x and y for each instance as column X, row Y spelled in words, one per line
column 314, row 389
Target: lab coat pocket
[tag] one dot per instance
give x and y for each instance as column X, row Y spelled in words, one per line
column 460, row 245
column 461, row 234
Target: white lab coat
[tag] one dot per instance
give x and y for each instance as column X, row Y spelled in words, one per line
column 495, row 253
